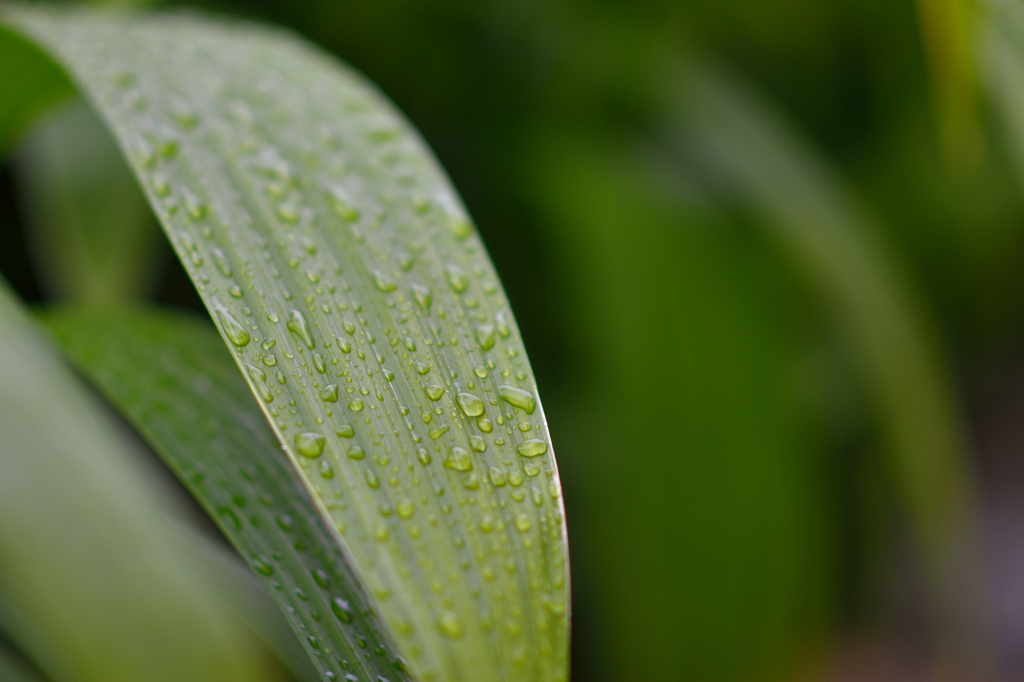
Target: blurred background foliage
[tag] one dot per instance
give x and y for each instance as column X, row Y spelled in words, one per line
column 768, row 258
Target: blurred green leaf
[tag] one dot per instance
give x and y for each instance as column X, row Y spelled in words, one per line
column 170, row 375
column 29, row 83
column 90, row 230
column 91, row 581
column 363, row 310
column 14, row 669
column 883, row 320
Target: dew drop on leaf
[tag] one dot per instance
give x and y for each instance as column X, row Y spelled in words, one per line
column 449, row 624
column 518, row 397
column 423, row 296
column 470, row 404
column 383, row 282
column 485, row 336
column 309, row 444
column 458, row 459
column 297, row 324
column 235, row 332
column 456, row 278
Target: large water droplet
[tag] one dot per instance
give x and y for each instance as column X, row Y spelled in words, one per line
column 458, row 459
column 470, row 404
column 383, row 282
column 423, row 296
column 259, row 378
column 297, row 323
column 341, row 609
column 518, row 397
column 522, row 522
column 434, row 392
column 532, row 448
column 309, row 444
column 456, row 278
column 449, row 624
column 235, row 332
column 485, row 336
column 329, row 393
column 343, row 205
column 405, row 508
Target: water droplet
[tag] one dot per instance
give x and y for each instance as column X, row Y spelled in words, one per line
column 449, row 624
column 485, row 336
column 221, row 261
column 515, row 478
column 497, row 477
column 349, row 327
column 371, row 479
column 326, row 470
column 470, row 404
column 383, row 282
column 356, row 405
column 405, row 261
column 259, row 378
column 297, row 324
column 344, row 345
column 477, row 443
column 288, row 213
column 269, row 360
column 532, row 448
column 518, row 397
column 341, row 609
column 232, row 329
column 422, row 369
column 318, row 360
column 346, row 431
column 235, row 291
column 310, row 444
column 262, row 564
column 329, row 393
column 405, row 508
column 480, row 371
column 388, row 374
column 423, row 296
column 410, row 345
column 522, row 522
column 343, row 205
column 423, row 456
column 434, row 392
column 355, row 452
column 485, row 425
column 458, row 459
column 502, row 325
column 456, row 278
column 531, row 470
column 321, row 578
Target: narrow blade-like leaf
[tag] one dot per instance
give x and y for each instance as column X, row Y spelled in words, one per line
column 92, row 584
column 362, row 308
column 170, row 375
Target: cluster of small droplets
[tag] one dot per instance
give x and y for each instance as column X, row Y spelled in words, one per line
column 367, row 317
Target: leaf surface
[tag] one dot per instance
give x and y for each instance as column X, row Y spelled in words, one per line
column 363, row 310
column 92, row 586
column 170, row 375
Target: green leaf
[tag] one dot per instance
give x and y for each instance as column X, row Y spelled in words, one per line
column 361, row 307
column 93, row 585
column 169, row 374
column 91, row 233
column 14, row 669
column 886, row 324
column 29, row 83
